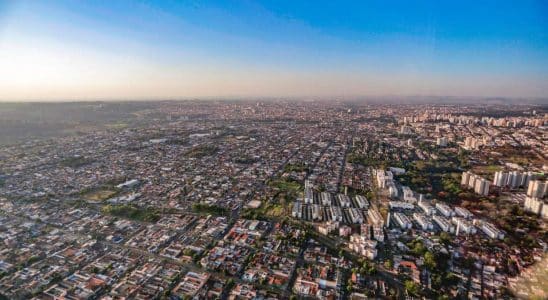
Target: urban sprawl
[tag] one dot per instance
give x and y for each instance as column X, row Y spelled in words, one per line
column 280, row 200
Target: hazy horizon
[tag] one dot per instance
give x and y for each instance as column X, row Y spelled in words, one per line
column 93, row 50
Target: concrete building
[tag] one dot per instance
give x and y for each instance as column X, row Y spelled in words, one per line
column 443, row 223
column 423, row 221
column 445, row 210
column 537, row 189
column 441, row 141
column 481, row 186
column 427, row 208
column 402, row 220
column 463, row 212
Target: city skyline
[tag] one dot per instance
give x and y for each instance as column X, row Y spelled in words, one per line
column 67, row 50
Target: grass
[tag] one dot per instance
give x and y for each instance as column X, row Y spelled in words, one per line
column 76, row 161
column 99, row 195
column 286, row 186
column 266, row 211
column 143, row 214
column 209, row 209
column 201, row 151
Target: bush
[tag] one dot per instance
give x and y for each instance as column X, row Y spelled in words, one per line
column 144, row 214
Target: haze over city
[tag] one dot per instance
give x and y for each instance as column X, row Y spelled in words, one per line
column 89, row 50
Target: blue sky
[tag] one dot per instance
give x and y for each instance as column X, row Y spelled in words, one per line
column 180, row 49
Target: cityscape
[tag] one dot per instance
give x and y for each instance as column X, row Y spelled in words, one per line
column 275, row 200
column 265, row 150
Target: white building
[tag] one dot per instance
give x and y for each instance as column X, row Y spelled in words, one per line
column 537, row 189
column 361, row 201
column 445, row 209
column 326, row 198
column 400, row 205
column 481, row 187
column 463, row 226
column 317, row 212
column 308, row 195
column 427, row 208
column 402, row 220
column 363, row 246
column 443, row 223
column 441, row 141
column 463, row 212
column 375, row 217
column 344, row 200
column 490, row 230
column 423, row 221
column 297, row 211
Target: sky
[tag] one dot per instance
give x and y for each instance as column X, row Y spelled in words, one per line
column 101, row 50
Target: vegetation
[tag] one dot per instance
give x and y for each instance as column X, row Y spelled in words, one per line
column 296, row 167
column 264, row 212
column 202, row 151
column 411, row 287
column 76, row 161
column 286, row 185
column 209, row 209
column 144, row 214
column 246, row 160
column 100, row 194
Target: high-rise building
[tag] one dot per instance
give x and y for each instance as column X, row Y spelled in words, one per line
column 441, row 141
column 537, row 189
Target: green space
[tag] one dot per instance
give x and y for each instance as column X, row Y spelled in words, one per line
column 245, row 160
column 144, row 214
column 286, row 185
column 76, row 161
column 297, row 167
column 209, row 209
column 437, row 264
column 99, row 195
column 266, row 211
column 202, row 151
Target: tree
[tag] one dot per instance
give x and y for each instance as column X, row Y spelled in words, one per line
column 430, row 260
column 445, row 238
column 411, row 287
column 388, row 264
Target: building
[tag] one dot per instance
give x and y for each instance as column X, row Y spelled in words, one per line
column 537, row 189
column 465, row 178
column 361, row 201
column 479, row 184
column 400, row 205
column 328, row 227
column 363, row 246
column 533, row 205
column 297, row 211
column 441, row 141
column 443, row 223
column 445, row 210
column 463, row 212
column 490, row 230
column 344, row 200
column 402, row 220
column 423, row 221
column 463, row 226
column 308, row 195
column 375, row 219
column 406, row 129
column 427, row 208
